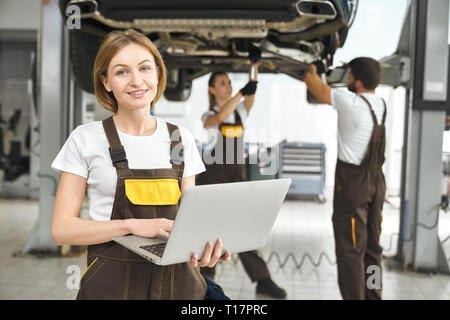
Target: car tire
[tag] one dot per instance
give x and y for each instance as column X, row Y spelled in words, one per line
column 83, row 50
column 181, row 91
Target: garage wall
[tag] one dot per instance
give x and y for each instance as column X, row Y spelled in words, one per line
column 19, row 14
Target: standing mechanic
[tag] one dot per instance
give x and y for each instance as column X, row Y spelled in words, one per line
column 360, row 187
column 225, row 123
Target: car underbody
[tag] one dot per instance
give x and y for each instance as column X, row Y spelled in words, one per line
column 199, row 37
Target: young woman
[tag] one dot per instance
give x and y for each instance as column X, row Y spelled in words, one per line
column 133, row 177
column 225, row 121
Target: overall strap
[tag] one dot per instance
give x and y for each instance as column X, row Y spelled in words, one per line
column 116, row 150
column 176, row 147
column 374, row 118
column 384, row 113
column 374, row 157
column 237, row 118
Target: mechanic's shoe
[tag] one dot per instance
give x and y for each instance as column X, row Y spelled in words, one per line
column 270, row 288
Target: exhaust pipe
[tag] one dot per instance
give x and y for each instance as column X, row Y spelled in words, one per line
column 316, row 9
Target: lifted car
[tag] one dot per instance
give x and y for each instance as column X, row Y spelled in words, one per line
column 197, row 37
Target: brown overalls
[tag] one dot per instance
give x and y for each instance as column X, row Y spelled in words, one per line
column 359, row 194
column 115, row 272
column 232, row 169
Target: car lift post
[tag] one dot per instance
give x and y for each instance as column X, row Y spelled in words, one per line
column 53, row 106
column 427, row 100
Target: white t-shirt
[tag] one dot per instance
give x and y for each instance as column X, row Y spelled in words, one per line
column 355, row 123
column 86, row 154
column 213, row 132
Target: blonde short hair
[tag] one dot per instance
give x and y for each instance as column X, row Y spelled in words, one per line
column 112, row 43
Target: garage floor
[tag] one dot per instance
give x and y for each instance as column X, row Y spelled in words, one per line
column 302, row 226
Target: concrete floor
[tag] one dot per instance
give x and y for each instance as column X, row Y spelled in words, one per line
column 302, row 226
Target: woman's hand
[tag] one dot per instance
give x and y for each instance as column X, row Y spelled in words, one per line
column 210, row 258
column 250, row 88
column 151, row 228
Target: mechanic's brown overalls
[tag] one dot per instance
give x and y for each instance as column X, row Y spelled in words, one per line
column 359, row 194
column 115, row 272
column 231, row 168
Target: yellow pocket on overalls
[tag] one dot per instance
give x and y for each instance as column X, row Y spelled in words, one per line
column 232, row 131
column 152, row 192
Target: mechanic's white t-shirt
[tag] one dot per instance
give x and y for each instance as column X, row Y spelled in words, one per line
column 213, row 130
column 86, row 154
column 355, row 123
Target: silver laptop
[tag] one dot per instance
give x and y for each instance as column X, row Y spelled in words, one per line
column 242, row 214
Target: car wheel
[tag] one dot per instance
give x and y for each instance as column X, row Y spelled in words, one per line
column 180, row 93
column 180, row 90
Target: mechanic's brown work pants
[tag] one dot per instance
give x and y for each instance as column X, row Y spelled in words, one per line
column 358, row 200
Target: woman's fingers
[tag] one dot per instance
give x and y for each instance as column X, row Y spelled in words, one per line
column 206, row 255
column 217, row 252
column 151, row 228
column 211, row 255
column 166, row 227
column 225, row 257
column 164, row 233
column 194, row 260
column 168, row 224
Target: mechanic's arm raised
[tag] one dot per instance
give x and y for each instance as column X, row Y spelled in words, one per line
column 227, row 109
column 249, row 92
column 316, row 86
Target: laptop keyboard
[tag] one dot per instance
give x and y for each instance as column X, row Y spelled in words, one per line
column 156, row 249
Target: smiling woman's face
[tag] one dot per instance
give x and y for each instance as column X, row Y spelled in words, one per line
column 132, row 77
